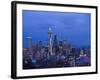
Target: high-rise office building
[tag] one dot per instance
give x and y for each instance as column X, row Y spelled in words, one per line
column 30, row 47
column 55, row 44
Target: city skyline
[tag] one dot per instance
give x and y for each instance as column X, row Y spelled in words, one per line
column 62, row 32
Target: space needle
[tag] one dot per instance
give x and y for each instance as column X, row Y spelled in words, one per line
column 50, row 40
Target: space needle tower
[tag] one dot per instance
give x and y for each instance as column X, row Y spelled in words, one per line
column 50, row 40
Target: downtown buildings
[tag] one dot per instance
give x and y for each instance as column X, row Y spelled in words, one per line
column 54, row 54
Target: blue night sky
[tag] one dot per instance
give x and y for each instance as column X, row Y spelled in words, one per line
column 73, row 27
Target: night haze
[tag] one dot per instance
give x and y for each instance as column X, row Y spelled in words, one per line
column 70, row 26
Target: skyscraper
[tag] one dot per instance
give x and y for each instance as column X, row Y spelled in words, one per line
column 55, row 44
column 30, row 47
column 55, row 41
